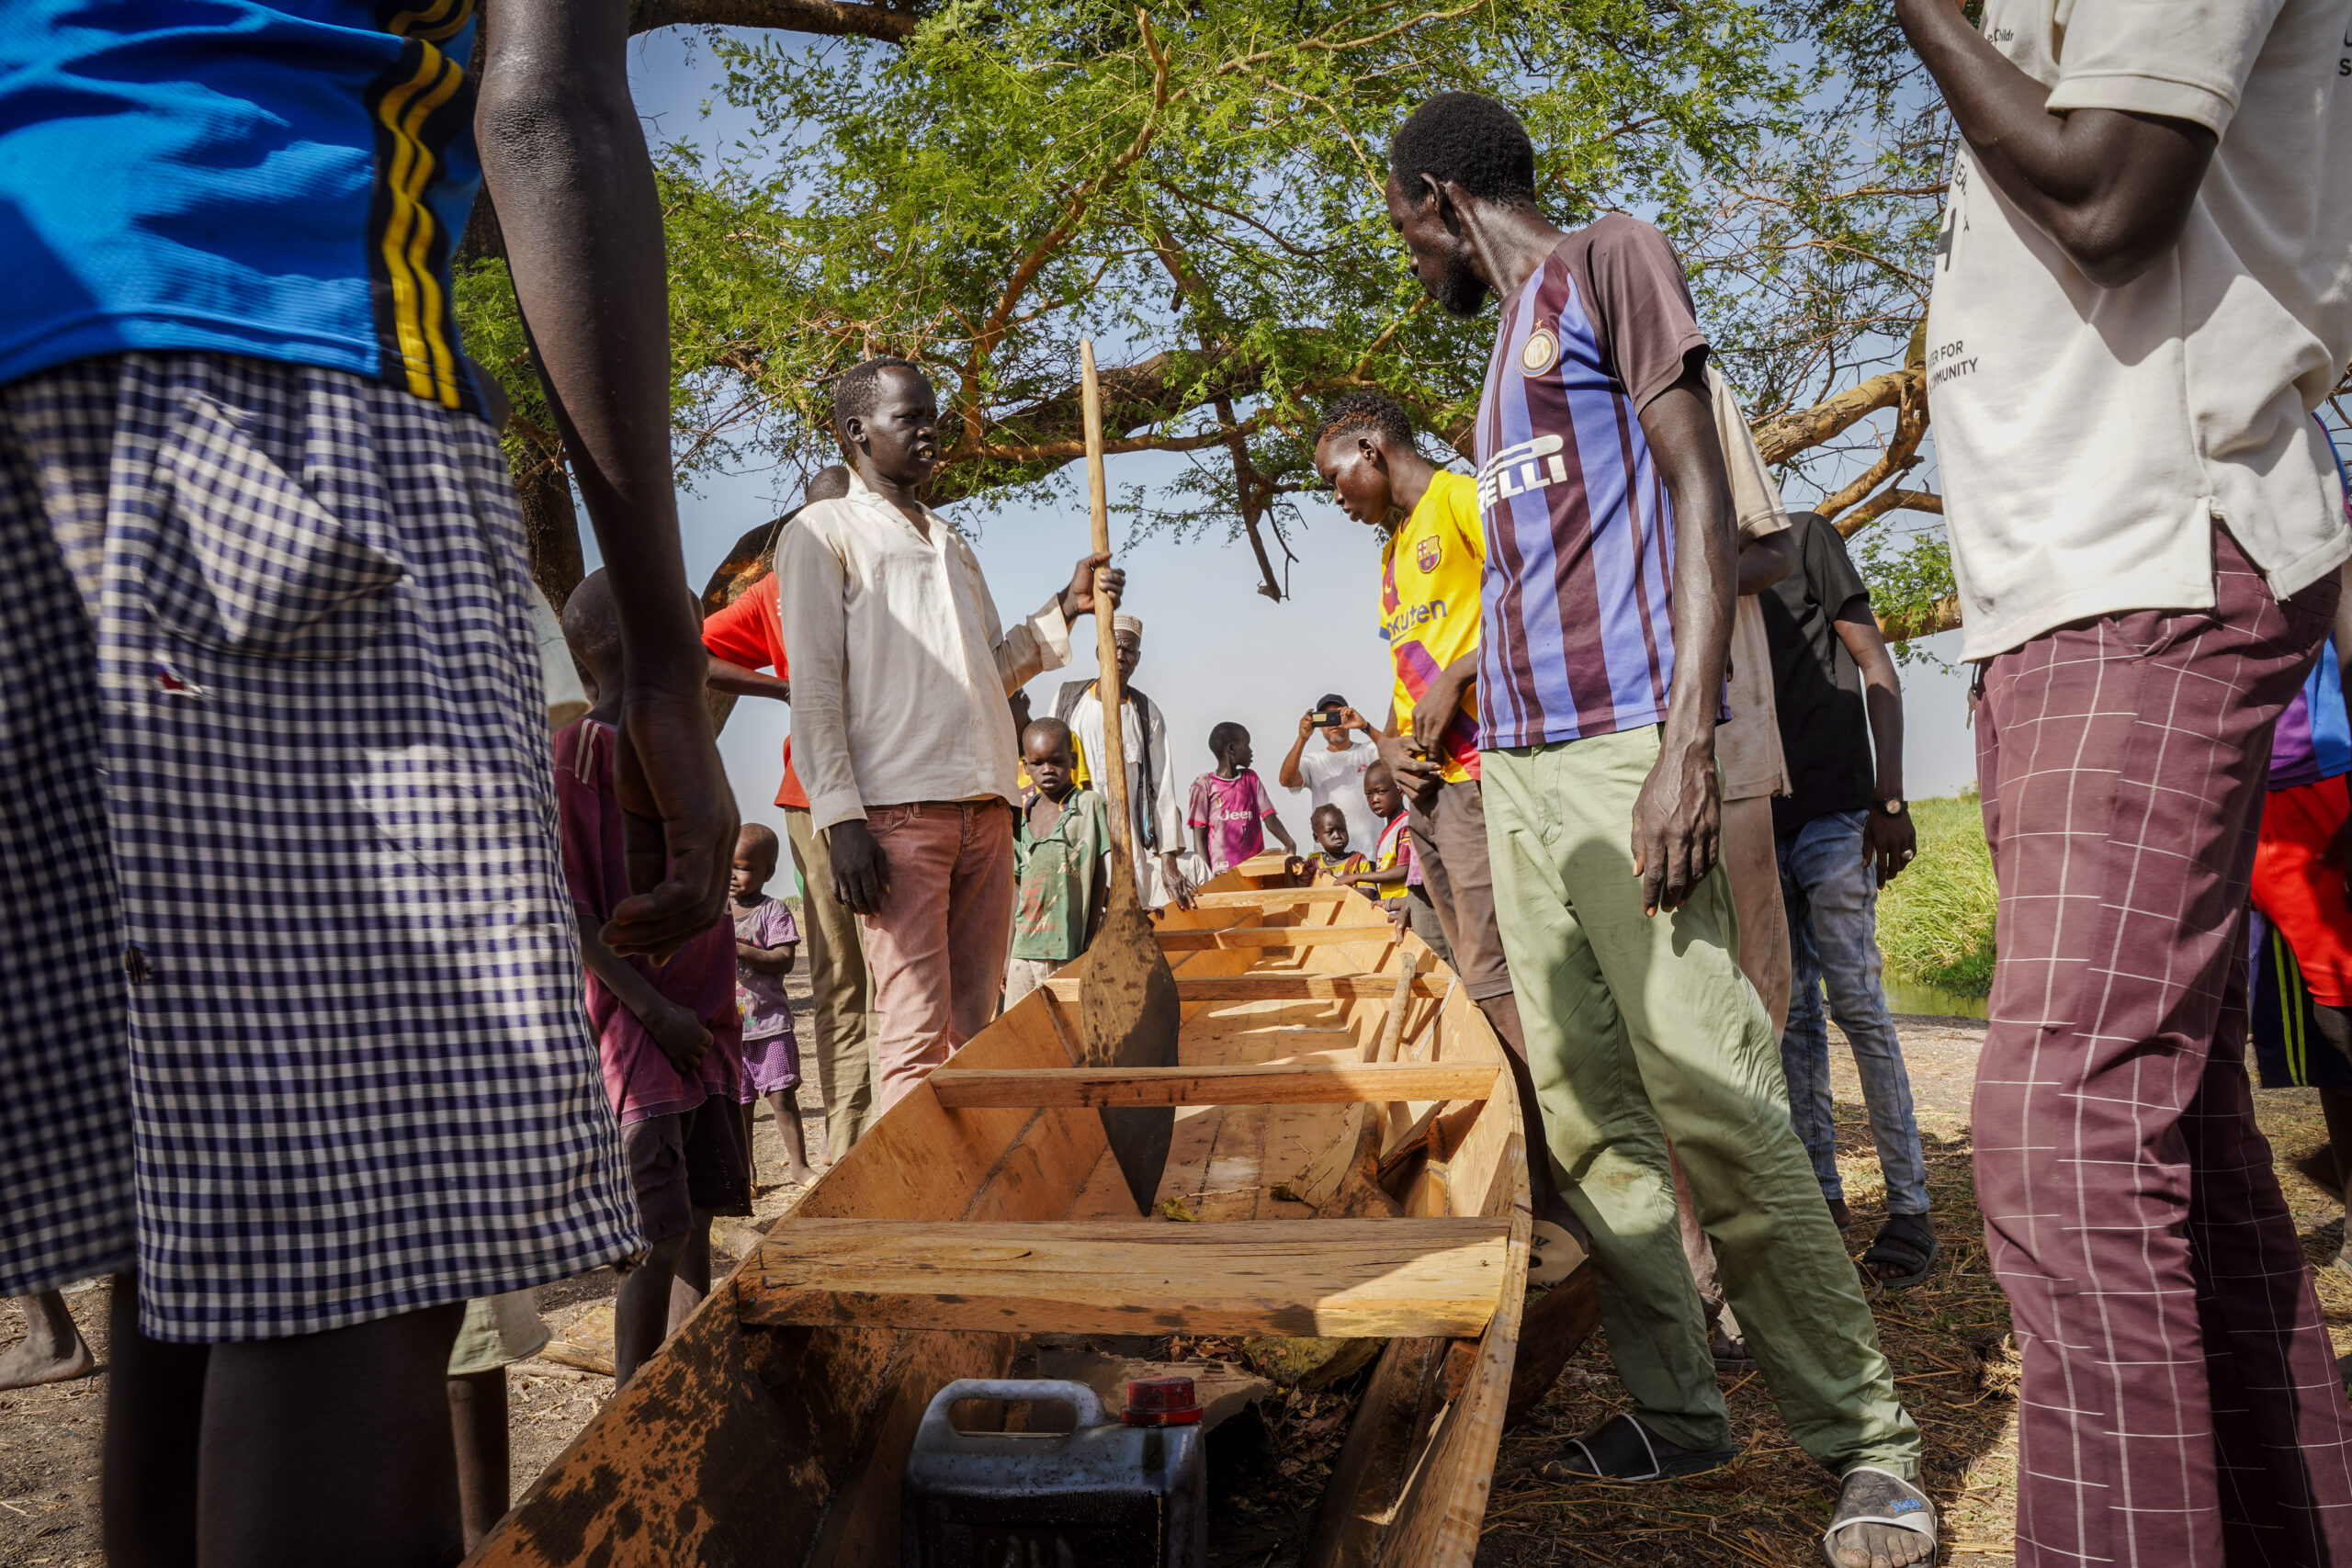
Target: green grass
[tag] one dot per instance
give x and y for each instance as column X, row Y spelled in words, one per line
column 1935, row 921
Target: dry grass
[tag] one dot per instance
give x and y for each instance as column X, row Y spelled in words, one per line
column 1768, row 1508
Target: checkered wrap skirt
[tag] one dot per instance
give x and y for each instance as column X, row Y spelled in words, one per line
column 293, row 997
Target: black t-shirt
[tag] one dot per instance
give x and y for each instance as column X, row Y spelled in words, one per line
column 1824, row 729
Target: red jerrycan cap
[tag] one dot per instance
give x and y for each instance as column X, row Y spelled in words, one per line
column 1162, row 1402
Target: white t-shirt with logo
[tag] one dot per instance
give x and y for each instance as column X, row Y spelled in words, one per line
column 2088, row 437
column 1336, row 778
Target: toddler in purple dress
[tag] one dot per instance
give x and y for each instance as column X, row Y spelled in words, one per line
column 766, row 943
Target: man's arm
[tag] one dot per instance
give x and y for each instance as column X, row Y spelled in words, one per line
column 1765, row 562
column 2112, row 189
column 565, row 163
column 1288, row 775
column 1679, row 814
column 811, row 580
column 1888, row 842
column 742, row 682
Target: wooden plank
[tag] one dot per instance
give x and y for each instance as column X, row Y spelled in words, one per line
column 1274, row 937
column 1276, row 897
column 1290, row 987
column 1304, row 1083
column 1332, row 1279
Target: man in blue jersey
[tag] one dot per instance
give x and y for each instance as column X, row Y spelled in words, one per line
column 297, row 1045
column 1607, row 613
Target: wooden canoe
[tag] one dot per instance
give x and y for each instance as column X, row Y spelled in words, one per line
column 1349, row 1142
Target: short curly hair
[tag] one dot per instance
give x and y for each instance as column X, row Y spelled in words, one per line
column 1368, row 411
column 859, row 388
column 1475, row 143
column 1223, row 735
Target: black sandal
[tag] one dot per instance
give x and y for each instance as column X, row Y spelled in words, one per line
column 1869, row 1495
column 1620, row 1448
column 1906, row 1242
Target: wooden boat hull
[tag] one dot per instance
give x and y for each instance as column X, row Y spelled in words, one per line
column 763, row 1434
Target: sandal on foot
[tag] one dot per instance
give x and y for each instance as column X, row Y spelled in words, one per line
column 1908, row 1244
column 1621, row 1448
column 1551, row 1254
column 1869, row 1495
column 1731, row 1352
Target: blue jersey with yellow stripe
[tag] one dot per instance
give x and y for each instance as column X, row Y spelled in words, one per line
column 284, row 180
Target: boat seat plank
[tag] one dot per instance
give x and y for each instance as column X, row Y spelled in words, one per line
column 1306, row 1083
column 1299, row 985
column 1273, row 937
column 1273, row 898
column 1331, row 1279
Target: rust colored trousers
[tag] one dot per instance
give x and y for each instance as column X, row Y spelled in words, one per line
column 2180, row 1403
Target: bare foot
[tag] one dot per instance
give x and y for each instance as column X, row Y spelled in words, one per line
column 51, row 1350
column 1868, row 1492
column 800, row 1176
column 1880, row 1546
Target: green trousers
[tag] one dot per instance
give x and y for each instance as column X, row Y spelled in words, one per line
column 841, row 1002
column 1638, row 1026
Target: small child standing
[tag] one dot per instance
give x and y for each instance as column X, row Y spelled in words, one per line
column 1394, row 874
column 766, row 943
column 1391, row 865
column 668, row 1035
column 1230, row 810
column 1333, row 859
column 1061, row 854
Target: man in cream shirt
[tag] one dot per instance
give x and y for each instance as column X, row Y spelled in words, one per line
column 2141, row 295
column 901, row 670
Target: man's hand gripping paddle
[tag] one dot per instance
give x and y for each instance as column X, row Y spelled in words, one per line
column 1127, row 1012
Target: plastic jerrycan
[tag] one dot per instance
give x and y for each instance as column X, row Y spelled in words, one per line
column 1125, row 1492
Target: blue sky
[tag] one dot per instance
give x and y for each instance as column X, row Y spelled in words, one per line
column 1214, row 648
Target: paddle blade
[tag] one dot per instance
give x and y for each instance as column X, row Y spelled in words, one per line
column 1128, row 1017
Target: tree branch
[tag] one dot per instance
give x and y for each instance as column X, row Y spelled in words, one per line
column 1943, row 615
column 1782, row 436
column 1902, row 454
column 833, row 18
column 1884, row 502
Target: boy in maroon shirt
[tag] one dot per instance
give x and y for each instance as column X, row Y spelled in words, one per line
column 669, row 1037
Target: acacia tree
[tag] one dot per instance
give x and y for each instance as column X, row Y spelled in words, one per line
column 976, row 185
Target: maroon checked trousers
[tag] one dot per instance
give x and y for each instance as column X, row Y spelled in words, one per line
column 2180, row 1403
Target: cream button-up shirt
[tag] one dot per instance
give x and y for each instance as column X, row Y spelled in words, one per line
column 901, row 668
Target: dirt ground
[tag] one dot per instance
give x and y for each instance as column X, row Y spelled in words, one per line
column 1767, row 1508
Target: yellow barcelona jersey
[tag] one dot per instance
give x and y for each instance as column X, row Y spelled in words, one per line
column 1428, row 607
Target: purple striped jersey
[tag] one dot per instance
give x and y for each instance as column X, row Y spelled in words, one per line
column 1577, row 599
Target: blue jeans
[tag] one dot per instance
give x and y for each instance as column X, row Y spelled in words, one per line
column 1833, row 935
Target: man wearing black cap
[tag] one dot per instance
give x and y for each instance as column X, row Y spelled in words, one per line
column 1332, row 774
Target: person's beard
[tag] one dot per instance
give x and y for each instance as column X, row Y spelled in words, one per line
column 1460, row 290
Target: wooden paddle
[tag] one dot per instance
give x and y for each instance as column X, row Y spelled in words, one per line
column 1127, row 1012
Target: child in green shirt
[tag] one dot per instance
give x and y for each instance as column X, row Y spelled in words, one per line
column 1061, row 857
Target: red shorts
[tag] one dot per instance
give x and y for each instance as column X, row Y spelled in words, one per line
column 2300, row 891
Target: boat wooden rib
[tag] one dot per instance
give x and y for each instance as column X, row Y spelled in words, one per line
column 1348, row 1152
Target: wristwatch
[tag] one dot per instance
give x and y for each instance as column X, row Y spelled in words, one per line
column 1895, row 807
